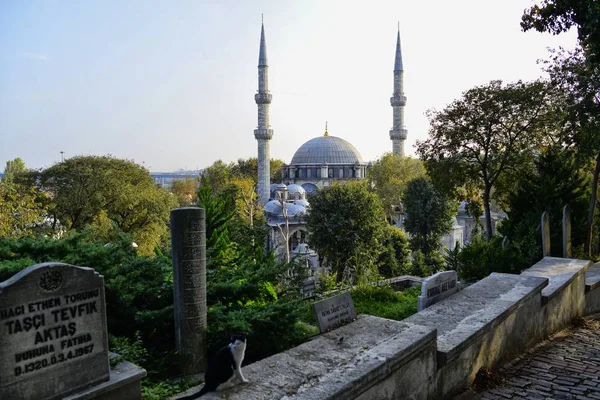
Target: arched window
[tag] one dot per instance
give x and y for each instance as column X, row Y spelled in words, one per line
column 308, row 174
column 341, row 173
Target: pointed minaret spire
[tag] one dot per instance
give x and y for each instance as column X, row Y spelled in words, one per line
column 398, row 101
column 263, row 133
column 262, row 55
column 398, row 63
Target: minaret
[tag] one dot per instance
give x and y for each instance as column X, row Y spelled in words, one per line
column 398, row 101
column 263, row 133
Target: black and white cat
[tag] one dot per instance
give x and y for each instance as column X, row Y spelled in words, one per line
column 223, row 366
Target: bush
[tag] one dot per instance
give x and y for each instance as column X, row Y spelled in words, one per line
column 479, row 259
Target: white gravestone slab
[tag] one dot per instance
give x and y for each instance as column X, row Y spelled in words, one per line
column 437, row 287
column 53, row 338
column 334, row 312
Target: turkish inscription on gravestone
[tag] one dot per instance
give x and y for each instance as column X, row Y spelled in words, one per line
column 436, row 288
column 53, row 338
column 334, row 311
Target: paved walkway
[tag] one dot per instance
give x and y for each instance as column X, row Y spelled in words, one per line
column 567, row 366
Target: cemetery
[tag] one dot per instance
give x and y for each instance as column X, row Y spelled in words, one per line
column 54, row 331
column 438, row 351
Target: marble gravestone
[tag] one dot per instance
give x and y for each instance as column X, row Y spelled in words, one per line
column 53, row 339
column 334, row 312
column 188, row 242
column 437, row 287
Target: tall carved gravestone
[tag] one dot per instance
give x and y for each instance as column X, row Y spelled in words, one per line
column 545, row 234
column 188, row 239
column 566, row 224
column 53, row 339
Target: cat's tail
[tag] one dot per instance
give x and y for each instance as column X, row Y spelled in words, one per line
column 205, row 389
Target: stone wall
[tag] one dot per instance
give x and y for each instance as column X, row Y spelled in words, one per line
column 435, row 353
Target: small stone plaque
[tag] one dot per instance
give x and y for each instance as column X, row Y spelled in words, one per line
column 437, row 287
column 334, row 312
column 53, row 338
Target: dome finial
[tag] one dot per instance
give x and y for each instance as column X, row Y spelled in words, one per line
column 326, row 133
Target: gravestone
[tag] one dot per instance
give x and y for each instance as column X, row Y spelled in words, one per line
column 334, row 312
column 53, row 339
column 188, row 240
column 309, row 288
column 566, row 225
column 437, row 287
column 545, row 234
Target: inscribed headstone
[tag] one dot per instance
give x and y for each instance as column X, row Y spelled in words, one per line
column 53, row 338
column 437, row 287
column 334, row 312
column 545, row 234
column 566, row 225
column 188, row 242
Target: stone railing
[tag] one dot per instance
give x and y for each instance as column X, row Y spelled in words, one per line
column 435, row 353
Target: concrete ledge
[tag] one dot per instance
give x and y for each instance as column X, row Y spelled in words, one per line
column 559, row 271
column 474, row 311
column 343, row 364
column 124, row 383
column 592, row 277
column 592, row 289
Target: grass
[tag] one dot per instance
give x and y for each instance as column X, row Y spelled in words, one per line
column 380, row 301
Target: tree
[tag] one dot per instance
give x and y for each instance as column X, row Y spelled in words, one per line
column 557, row 16
column 184, row 190
column 13, row 168
column 247, row 202
column 220, row 174
column 429, row 216
column 395, row 257
column 554, row 181
column 580, row 85
column 389, row 177
column 81, row 187
column 21, row 209
column 346, row 225
column 484, row 134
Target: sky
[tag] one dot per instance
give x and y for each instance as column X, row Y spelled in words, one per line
column 170, row 85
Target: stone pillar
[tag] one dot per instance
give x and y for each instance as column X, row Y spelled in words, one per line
column 188, row 240
column 566, row 225
column 545, row 234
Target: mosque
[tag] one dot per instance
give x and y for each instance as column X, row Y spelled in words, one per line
column 318, row 163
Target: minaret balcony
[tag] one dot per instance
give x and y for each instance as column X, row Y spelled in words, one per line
column 263, row 98
column 398, row 100
column 398, row 134
column 264, row 134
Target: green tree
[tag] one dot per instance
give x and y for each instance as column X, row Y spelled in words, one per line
column 394, row 259
column 429, row 216
column 557, row 16
column 83, row 186
column 553, row 182
column 220, row 174
column 346, row 225
column 580, row 85
column 13, row 168
column 184, row 190
column 21, row 208
column 484, row 134
column 389, row 177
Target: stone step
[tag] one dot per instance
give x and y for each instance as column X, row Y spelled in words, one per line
column 592, row 277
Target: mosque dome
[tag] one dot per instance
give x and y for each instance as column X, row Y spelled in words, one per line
column 328, row 150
